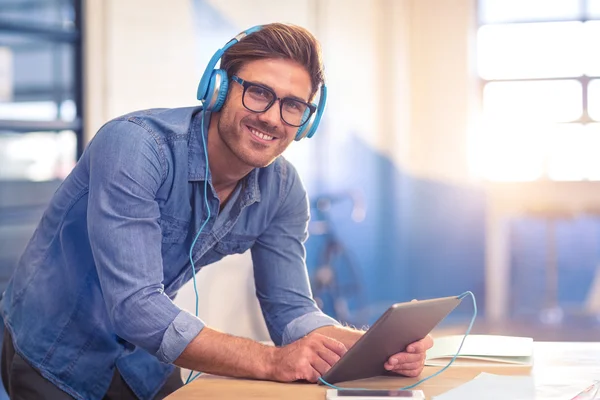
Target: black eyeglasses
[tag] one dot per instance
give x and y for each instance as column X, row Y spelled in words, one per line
column 258, row 98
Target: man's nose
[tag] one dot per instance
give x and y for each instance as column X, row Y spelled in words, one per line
column 272, row 116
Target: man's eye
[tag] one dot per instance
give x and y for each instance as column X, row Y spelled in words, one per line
column 259, row 92
column 294, row 107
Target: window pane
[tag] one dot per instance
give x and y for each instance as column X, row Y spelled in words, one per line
column 507, row 151
column 493, row 11
column 594, row 8
column 546, row 101
column 530, row 50
column 567, row 153
column 36, row 156
column 594, row 99
column 54, row 13
column 42, row 76
column 591, row 55
column 38, row 111
column 573, row 152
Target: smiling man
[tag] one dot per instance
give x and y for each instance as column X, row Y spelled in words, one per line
column 157, row 195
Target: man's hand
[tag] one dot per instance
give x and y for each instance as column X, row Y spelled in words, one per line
column 411, row 362
column 305, row 359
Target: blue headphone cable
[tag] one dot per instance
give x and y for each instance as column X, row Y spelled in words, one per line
column 462, row 296
column 203, row 131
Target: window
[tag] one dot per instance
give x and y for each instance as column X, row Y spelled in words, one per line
column 40, row 114
column 40, row 89
column 540, row 76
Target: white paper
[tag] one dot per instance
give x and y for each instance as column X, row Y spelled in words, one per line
column 482, row 349
column 493, row 387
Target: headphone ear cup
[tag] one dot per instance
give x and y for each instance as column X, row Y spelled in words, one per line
column 222, row 92
column 217, row 91
column 301, row 132
column 304, row 128
column 316, row 120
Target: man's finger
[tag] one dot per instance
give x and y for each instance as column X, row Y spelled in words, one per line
column 402, row 358
column 428, row 342
column 336, row 346
column 409, row 366
column 415, row 348
column 313, row 375
column 320, row 365
column 420, row 346
column 329, row 356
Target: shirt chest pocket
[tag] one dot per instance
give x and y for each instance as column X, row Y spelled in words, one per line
column 173, row 231
column 234, row 244
column 227, row 246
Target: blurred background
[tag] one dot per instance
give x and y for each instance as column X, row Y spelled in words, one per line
column 459, row 149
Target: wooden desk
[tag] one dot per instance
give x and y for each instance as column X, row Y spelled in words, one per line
column 557, row 365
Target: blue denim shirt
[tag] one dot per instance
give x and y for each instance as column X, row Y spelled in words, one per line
column 94, row 288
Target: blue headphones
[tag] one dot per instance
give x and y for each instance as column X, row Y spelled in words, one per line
column 213, row 86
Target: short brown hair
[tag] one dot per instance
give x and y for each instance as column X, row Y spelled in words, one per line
column 278, row 40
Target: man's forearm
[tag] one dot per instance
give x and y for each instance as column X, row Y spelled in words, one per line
column 222, row 354
column 348, row 336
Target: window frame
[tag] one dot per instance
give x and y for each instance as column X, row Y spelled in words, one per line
column 52, row 34
column 584, row 80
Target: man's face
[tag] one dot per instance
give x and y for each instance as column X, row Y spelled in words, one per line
column 257, row 139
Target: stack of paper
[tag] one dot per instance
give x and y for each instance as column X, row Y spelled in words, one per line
column 481, row 350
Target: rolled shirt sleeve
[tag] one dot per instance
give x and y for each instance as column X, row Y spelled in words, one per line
column 304, row 325
column 178, row 335
column 127, row 167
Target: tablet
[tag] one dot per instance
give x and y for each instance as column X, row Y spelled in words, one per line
column 401, row 325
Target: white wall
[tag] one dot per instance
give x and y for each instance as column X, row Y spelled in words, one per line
column 442, row 87
column 226, row 299
column 139, row 54
column 245, row 14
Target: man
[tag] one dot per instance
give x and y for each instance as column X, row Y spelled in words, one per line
column 156, row 195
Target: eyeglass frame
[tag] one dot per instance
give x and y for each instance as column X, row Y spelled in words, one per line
column 245, row 84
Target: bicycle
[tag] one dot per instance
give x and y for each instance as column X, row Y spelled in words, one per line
column 337, row 283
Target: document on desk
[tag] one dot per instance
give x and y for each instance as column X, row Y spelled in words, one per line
column 480, row 350
column 493, row 387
